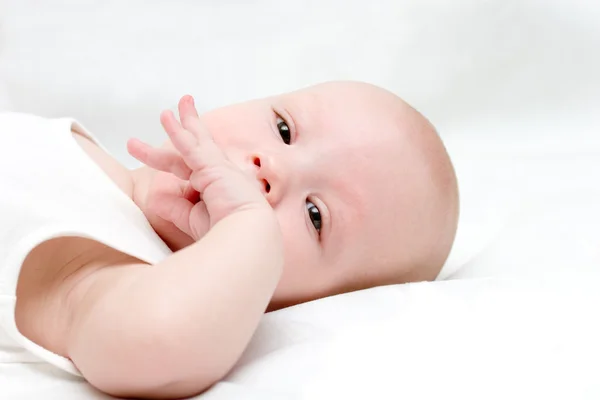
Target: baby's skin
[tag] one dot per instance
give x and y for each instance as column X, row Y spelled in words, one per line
column 266, row 204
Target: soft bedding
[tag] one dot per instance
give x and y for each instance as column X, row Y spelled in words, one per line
column 467, row 339
column 513, row 89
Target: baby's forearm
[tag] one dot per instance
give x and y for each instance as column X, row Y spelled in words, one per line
column 217, row 290
column 193, row 314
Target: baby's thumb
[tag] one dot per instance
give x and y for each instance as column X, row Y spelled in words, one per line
column 174, row 209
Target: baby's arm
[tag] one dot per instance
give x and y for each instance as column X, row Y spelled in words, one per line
column 174, row 329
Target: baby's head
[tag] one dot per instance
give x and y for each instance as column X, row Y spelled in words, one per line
column 363, row 188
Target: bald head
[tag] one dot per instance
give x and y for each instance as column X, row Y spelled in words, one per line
column 437, row 201
column 433, row 213
column 413, row 178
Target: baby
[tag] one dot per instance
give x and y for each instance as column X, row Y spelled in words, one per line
column 266, row 204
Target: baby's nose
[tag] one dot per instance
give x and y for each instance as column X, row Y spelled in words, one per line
column 261, row 179
column 271, row 175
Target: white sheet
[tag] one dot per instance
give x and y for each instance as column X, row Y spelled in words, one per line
column 512, row 87
column 467, row 339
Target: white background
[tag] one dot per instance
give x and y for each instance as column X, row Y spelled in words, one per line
column 514, row 89
column 469, row 65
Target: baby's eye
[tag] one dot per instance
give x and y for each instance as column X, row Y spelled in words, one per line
column 315, row 215
column 284, row 130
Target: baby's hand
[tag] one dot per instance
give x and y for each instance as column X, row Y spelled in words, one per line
column 224, row 189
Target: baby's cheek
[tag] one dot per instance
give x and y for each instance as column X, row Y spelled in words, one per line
column 295, row 251
column 292, row 243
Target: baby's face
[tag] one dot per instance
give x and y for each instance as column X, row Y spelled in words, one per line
column 342, row 178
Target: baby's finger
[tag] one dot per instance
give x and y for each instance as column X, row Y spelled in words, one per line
column 159, row 159
column 207, row 152
column 183, row 140
column 187, row 108
column 181, row 209
column 139, row 150
column 176, row 210
column 190, row 120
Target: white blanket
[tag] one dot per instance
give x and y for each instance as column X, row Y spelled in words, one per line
column 467, row 339
column 512, row 87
